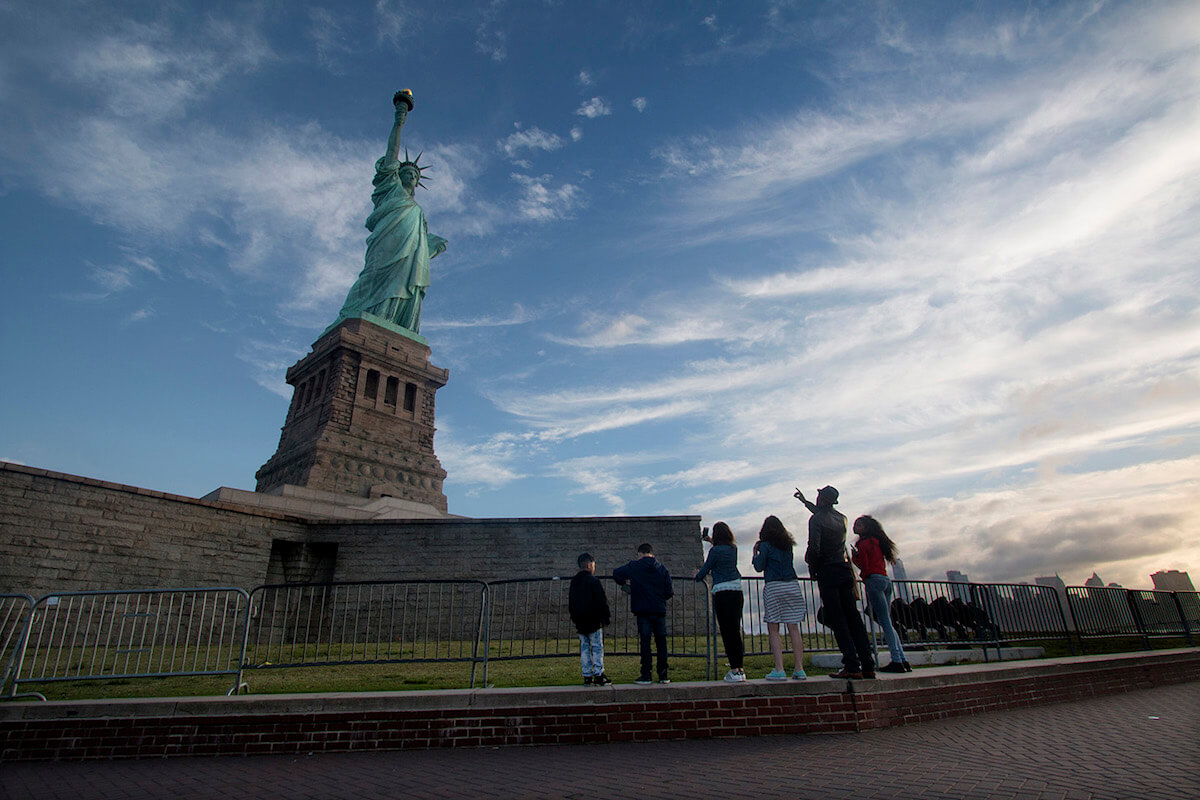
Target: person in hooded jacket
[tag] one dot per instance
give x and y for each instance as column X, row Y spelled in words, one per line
column 649, row 589
column 588, row 606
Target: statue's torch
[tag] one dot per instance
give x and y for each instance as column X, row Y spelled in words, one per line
column 403, row 101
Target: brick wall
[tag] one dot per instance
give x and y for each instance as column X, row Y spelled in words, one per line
column 293, row 724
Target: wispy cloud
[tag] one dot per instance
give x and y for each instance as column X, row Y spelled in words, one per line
column 139, row 315
column 530, row 139
column 596, row 107
column 487, row 464
column 331, row 40
column 542, row 201
column 393, row 19
column 518, row 316
column 269, row 361
column 490, row 40
column 117, row 277
column 640, row 103
column 597, row 476
column 149, row 72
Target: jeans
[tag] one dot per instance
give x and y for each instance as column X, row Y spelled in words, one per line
column 879, row 596
column 727, row 608
column 591, row 653
column 653, row 626
column 841, row 615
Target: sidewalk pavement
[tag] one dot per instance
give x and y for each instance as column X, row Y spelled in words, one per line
column 1143, row 744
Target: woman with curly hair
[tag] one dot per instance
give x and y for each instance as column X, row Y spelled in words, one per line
column 871, row 553
column 783, row 600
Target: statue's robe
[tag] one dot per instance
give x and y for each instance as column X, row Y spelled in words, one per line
column 393, row 282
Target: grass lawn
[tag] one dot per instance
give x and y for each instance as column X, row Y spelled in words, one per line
column 554, row 671
column 556, row 668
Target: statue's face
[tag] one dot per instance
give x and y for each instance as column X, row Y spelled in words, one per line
column 409, row 178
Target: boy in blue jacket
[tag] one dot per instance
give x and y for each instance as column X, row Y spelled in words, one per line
column 649, row 589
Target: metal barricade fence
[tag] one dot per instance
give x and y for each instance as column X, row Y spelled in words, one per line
column 529, row 618
column 105, row 635
column 76, row 636
column 369, row 622
column 15, row 610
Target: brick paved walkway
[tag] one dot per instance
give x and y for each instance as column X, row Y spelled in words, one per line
column 1143, row 744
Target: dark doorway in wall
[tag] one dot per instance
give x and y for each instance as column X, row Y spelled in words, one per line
column 301, row 562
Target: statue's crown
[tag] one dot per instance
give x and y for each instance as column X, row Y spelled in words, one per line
column 413, row 163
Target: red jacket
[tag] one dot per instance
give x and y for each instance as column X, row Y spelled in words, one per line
column 867, row 556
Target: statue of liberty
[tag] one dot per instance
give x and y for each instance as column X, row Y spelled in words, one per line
column 393, row 281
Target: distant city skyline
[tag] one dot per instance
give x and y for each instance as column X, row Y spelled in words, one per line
column 1163, row 580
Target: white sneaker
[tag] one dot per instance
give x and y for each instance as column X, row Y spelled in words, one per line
column 735, row 677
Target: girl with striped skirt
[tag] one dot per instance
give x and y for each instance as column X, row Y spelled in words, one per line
column 783, row 599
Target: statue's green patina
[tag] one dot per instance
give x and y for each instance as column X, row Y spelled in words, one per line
column 392, row 284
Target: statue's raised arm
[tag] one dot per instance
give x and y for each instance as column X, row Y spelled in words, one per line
column 403, row 101
column 392, row 285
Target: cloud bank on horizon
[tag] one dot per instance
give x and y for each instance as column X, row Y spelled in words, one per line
column 943, row 259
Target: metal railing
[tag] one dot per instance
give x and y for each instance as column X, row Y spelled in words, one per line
column 108, row 635
column 377, row 622
column 1012, row 613
column 1102, row 612
column 77, row 636
column 817, row 637
column 1188, row 604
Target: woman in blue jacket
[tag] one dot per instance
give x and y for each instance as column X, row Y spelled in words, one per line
column 727, row 596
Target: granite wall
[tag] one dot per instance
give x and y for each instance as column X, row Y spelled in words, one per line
column 62, row 532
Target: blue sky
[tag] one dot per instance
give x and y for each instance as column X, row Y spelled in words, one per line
column 940, row 255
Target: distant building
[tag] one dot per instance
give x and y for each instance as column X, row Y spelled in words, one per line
column 1095, row 581
column 1060, row 588
column 960, row 592
column 1115, row 585
column 903, row 590
column 1054, row 582
column 1172, row 580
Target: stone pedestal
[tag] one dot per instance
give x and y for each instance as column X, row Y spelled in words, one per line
column 361, row 421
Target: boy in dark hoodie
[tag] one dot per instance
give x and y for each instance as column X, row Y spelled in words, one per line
column 589, row 611
column 650, row 589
